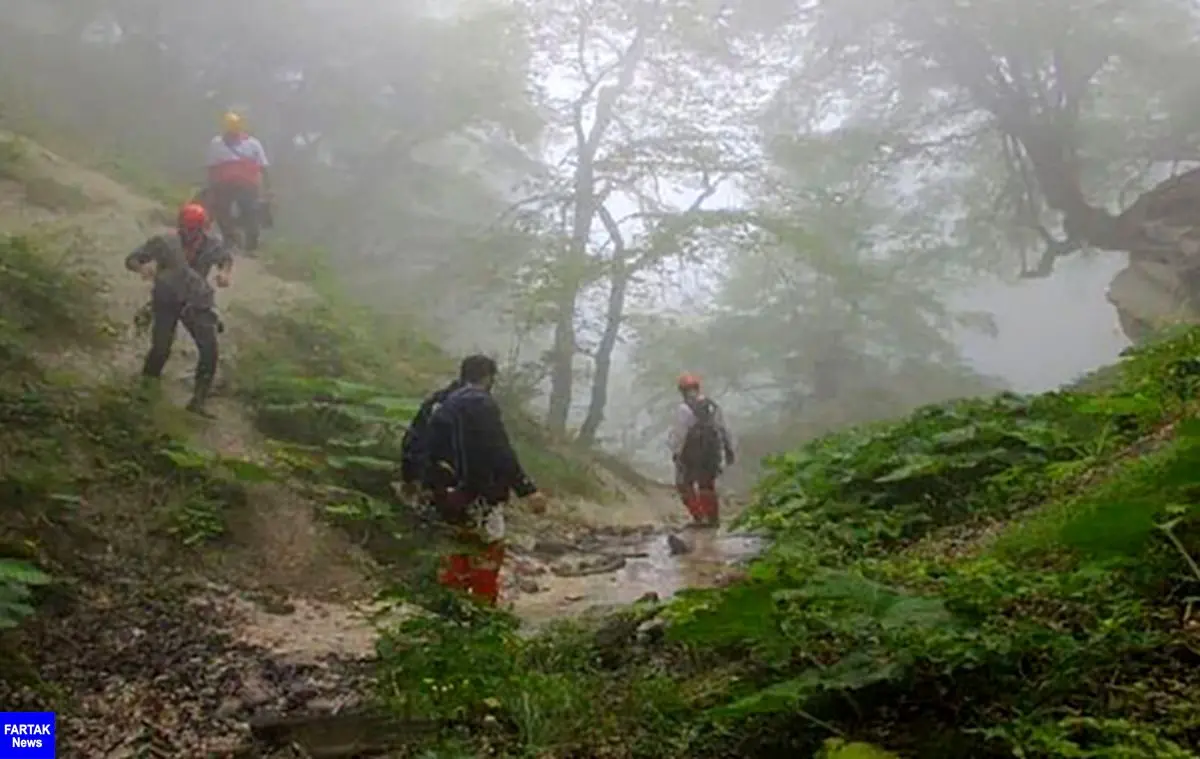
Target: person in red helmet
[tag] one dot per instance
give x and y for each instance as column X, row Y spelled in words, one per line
column 179, row 263
column 700, row 443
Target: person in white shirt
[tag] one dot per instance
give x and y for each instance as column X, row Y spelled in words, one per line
column 700, row 445
column 238, row 183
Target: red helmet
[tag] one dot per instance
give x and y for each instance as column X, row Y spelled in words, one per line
column 192, row 218
column 688, row 382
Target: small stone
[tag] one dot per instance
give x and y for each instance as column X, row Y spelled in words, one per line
column 255, row 692
column 678, row 546
column 228, row 708
column 323, row 705
column 651, row 630
column 279, row 607
column 528, row 585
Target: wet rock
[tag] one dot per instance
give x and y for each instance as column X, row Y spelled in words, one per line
column 651, row 631
column 597, row 565
column 301, row 692
column 278, row 606
column 552, row 548
column 730, row 577
column 528, row 585
column 255, row 691
column 678, row 546
column 527, row 567
column 324, row 705
column 229, row 708
column 621, row 628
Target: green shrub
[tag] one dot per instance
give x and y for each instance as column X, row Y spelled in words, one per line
column 45, row 301
column 17, row 581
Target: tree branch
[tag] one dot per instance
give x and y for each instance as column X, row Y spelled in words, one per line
column 672, row 225
column 1055, row 249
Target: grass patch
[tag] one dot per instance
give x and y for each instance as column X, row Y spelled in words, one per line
column 295, row 262
column 40, row 191
column 12, row 158
column 49, row 193
column 45, row 303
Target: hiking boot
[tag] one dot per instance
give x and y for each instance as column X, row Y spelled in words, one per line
column 199, row 403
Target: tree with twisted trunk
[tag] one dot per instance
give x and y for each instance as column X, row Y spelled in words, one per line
column 1045, row 128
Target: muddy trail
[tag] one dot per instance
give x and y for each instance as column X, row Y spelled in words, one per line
column 617, row 566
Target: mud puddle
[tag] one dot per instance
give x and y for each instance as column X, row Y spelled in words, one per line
column 552, row 580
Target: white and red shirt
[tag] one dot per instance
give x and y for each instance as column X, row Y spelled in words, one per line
column 237, row 160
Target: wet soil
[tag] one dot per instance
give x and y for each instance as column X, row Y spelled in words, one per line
column 619, row 566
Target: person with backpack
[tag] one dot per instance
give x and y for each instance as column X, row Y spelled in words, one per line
column 179, row 263
column 470, row 469
column 413, row 447
column 699, row 442
column 238, row 188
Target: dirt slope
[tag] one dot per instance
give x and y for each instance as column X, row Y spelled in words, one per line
column 278, row 544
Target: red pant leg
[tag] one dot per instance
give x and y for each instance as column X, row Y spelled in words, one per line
column 485, row 573
column 456, row 572
column 707, row 502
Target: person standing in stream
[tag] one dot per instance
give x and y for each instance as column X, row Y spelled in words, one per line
column 470, row 470
column 698, row 439
column 179, row 263
column 237, row 180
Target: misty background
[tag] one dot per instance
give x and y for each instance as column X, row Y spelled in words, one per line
column 831, row 212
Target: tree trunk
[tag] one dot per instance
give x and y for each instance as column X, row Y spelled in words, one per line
column 562, row 361
column 562, row 364
column 603, row 367
column 586, row 203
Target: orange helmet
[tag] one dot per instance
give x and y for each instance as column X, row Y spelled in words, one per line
column 688, row 382
column 192, row 218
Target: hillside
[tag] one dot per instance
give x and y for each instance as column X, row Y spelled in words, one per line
column 217, row 568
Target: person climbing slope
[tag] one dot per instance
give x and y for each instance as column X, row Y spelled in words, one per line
column 238, row 188
column 179, row 263
column 470, row 470
column 698, row 439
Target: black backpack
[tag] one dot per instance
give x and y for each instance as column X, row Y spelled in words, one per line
column 703, row 447
column 415, row 445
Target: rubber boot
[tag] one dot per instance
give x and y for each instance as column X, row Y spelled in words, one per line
column 199, row 403
column 456, row 572
column 691, row 503
column 709, row 506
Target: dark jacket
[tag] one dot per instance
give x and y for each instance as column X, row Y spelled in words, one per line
column 178, row 279
column 414, row 450
column 469, row 448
